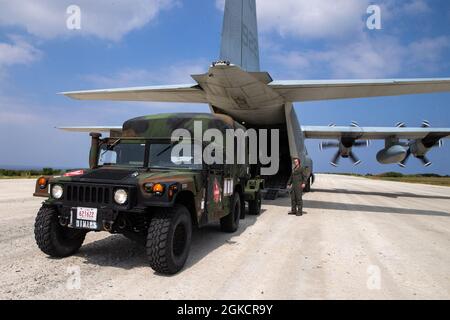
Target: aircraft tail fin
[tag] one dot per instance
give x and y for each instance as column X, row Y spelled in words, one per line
column 240, row 35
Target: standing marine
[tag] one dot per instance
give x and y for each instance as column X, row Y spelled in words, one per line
column 296, row 184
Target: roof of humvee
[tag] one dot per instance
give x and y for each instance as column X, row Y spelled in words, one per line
column 163, row 125
column 200, row 116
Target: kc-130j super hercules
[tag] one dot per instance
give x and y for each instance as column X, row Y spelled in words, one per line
column 142, row 194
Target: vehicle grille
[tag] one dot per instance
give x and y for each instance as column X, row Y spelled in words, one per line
column 88, row 194
column 94, row 195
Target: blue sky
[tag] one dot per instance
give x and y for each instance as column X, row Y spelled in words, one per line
column 150, row 42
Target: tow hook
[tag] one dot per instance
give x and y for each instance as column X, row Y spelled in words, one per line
column 63, row 221
column 122, row 224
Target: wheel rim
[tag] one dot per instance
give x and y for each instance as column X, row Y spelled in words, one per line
column 179, row 240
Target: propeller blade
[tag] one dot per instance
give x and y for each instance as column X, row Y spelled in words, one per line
column 403, row 163
column 354, row 158
column 335, row 161
column 400, row 125
column 426, row 124
column 355, row 124
column 426, row 162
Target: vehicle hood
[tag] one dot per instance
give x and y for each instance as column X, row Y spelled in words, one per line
column 130, row 176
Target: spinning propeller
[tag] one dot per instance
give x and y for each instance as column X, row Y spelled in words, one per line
column 345, row 147
column 420, row 148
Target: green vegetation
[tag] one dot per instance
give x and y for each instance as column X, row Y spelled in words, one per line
column 431, row 179
column 27, row 174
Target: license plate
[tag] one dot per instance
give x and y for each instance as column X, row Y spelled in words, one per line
column 85, row 218
column 88, row 214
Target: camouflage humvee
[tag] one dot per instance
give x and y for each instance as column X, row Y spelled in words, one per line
column 136, row 188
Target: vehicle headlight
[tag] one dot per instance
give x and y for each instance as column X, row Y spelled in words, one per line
column 57, row 191
column 120, row 196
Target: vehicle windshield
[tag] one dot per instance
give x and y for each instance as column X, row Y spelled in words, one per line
column 164, row 155
column 131, row 153
column 128, row 153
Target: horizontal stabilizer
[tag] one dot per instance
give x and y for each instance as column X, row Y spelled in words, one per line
column 178, row 93
column 346, row 89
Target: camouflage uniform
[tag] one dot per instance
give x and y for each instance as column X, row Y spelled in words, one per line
column 297, row 179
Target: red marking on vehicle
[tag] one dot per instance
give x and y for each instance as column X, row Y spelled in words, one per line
column 216, row 191
column 74, row 173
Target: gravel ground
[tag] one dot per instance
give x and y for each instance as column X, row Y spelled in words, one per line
column 361, row 239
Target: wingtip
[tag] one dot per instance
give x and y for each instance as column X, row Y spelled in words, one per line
column 66, row 94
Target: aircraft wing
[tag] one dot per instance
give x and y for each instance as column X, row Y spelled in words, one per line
column 114, row 131
column 375, row 133
column 297, row 91
column 190, row 93
column 90, row 129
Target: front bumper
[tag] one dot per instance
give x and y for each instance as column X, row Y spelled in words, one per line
column 96, row 196
column 105, row 219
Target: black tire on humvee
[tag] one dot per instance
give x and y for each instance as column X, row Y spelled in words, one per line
column 169, row 239
column 254, row 206
column 52, row 238
column 230, row 223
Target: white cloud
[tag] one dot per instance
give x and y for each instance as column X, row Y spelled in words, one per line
column 328, row 19
column 18, row 51
column 16, row 111
column 310, row 19
column 102, row 18
column 428, row 54
column 349, row 49
column 174, row 74
column 416, row 7
column 366, row 58
column 392, row 10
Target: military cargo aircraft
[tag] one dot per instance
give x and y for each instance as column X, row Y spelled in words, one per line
column 236, row 87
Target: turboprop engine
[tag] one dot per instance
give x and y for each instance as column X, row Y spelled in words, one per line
column 420, row 148
column 345, row 147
